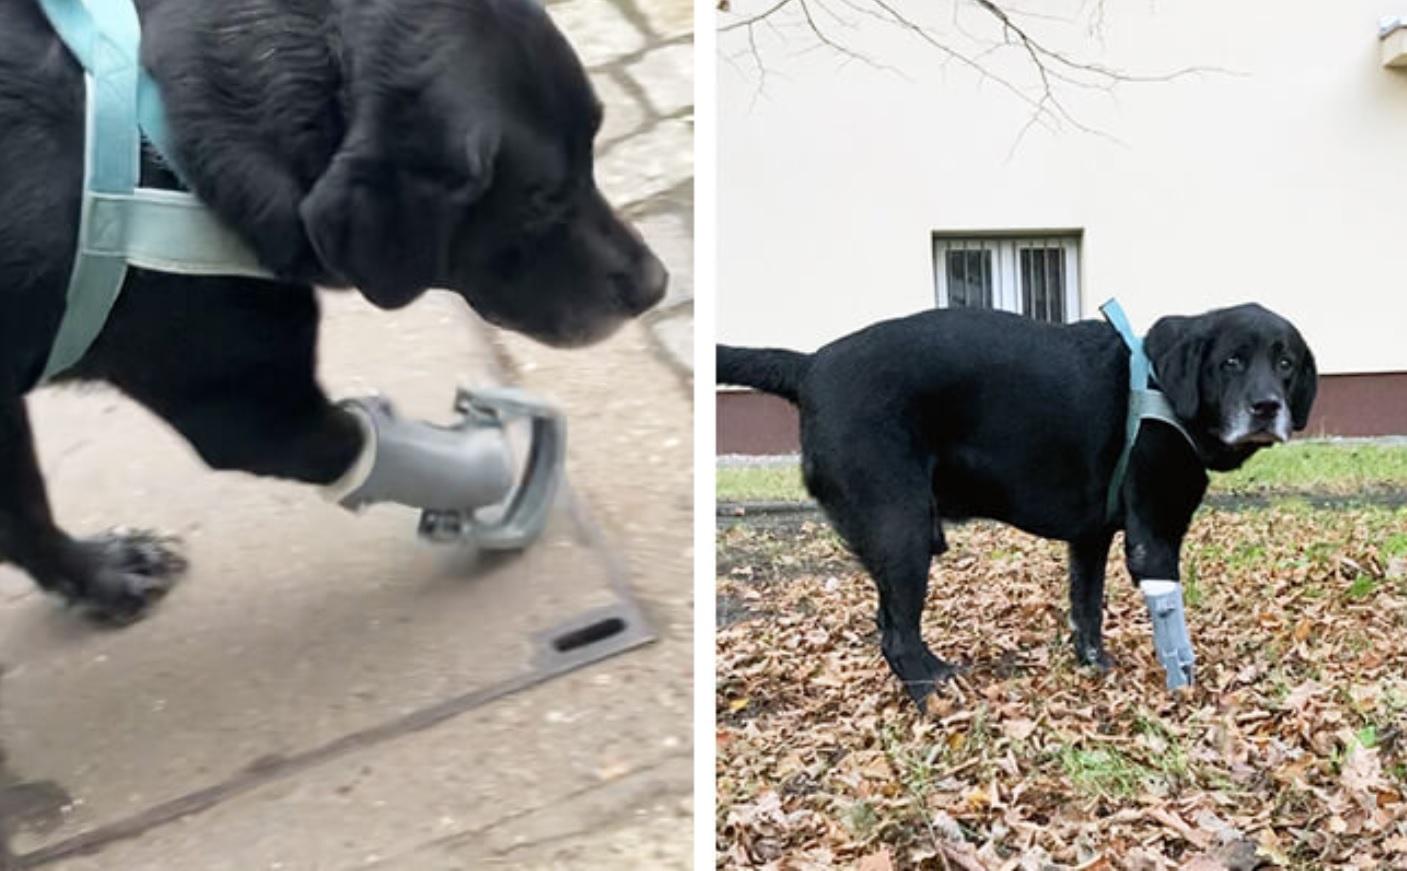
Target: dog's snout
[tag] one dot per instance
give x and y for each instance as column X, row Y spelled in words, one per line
column 652, row 283
column 640, row 288
column 1266, row 407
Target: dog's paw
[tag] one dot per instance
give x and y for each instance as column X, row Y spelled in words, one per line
column 131, row 570
column 927, row 693
column 1096, row 658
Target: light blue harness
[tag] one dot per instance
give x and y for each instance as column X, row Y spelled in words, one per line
column 1145, row 403
column 122, row 224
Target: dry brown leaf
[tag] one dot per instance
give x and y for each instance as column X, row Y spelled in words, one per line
column 880, row 861
column 1362, row 774
column 1303, row 629
column 962, row 856
column 1019, row 729
column 1268, row 845
column 1300, row 696
column 1170, row 819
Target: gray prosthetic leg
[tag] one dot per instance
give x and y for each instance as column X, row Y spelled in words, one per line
column 461, row 475
column 1170, row 636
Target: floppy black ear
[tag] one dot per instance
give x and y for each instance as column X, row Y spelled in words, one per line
column 387, row 228
column 1176, row 348
column 1302, row 390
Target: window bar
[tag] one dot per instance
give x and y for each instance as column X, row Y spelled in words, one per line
column 1037, row 279
column 986, row 276
column 1045, row 278
column 1047, row 255
column 1031, row 292
column 966, row 275
column 1002, row 278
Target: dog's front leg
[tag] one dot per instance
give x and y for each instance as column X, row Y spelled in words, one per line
column 115, row 577
column 1153, row 562
column 1088, row 557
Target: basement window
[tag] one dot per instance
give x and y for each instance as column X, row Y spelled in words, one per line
column 1036, row 276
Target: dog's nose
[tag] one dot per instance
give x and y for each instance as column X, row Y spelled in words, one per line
column 1266, row 408
column 651, row 281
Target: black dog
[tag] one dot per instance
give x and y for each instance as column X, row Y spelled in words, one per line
column 955, row 414
column 390, row 145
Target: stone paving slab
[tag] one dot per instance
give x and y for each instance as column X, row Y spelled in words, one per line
column 648, row 165
column 598, row 30
column 641, row 56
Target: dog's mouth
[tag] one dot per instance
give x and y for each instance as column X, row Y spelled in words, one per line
column 576, row 333
column 1243, row 429
column 1260, row 437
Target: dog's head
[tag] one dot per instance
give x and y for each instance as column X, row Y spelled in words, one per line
column 1242, row 376
column 468, row 165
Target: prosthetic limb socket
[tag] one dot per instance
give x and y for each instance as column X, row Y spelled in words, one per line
column 461, row 475
column 1170, row 636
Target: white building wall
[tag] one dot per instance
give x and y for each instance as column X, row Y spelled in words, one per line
column 1280, row 180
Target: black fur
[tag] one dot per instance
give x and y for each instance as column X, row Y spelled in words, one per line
column 393, row 145
column 956, row 414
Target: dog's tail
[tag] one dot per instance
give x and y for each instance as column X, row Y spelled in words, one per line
column 771, row 370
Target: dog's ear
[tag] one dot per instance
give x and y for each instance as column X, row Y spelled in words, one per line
column 1302, row 390
column 1176, row 346
column 386, row 228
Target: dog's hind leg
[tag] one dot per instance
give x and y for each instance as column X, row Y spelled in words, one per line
column 885, row 514
column 1088, row 558
column 115, row 578
column 938, row 545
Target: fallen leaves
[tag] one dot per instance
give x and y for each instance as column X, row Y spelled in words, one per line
column 1287, row 753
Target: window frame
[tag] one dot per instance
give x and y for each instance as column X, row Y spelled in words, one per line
column 1006, row 265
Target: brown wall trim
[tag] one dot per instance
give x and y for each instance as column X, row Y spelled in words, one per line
column 1360, row 405
column 756, row 424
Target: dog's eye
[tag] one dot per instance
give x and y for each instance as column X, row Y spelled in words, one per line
column 1285, row 364
column 544, row 208
column 1234, row 363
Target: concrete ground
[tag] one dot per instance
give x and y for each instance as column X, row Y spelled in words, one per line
column 308, row 690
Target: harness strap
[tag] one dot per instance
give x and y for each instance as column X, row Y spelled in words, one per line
column 111, row 100
column 171, row 231
column 1145, row 402
column 122, row 224
column 111, row 26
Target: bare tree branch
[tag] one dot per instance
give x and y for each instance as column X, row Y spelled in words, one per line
column 1052, row 70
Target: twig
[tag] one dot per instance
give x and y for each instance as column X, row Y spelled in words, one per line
column 1053, row 69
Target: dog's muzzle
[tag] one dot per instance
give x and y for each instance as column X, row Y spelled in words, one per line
column 1170, row 636
column 1251, row 426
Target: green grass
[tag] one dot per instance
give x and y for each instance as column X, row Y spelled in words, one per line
column 1367, row 736
column 1173, row 759
column 1342, row 468
column 1362, row 587
column 1102, row 772
column 1395, row 544
column 862, row 819
column 1191, row 586
column 1318, row 466
column 761, row 484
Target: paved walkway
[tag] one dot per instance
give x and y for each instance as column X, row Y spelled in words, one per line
column 641, row 55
